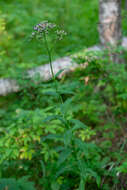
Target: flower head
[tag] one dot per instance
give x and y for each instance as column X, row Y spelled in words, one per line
column 41, row 28
column 44, row 28
column 60, row 34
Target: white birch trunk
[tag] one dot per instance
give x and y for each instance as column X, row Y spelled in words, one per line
column 110, row 26
column 125, row 5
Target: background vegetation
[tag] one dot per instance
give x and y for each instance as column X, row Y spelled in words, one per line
column 48, row 145
column 79, row 19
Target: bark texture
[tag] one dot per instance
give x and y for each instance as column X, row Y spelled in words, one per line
column 126, row 5
column 110, row 25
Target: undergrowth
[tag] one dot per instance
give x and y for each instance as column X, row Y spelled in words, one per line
column 67, row 134
column 77, row 144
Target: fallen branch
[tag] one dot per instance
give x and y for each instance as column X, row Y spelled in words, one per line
column 65, row 64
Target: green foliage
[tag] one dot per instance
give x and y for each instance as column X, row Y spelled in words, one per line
column 77, row 143
column 65, row 152
column 123, row 167
column 19, row 18
column 20, row 184
column 50, row 140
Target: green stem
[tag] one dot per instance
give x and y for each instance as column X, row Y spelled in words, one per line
column 52, row 72
column 50, row 57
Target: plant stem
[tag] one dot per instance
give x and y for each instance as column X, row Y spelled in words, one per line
column 52, row 72
column 50, row 57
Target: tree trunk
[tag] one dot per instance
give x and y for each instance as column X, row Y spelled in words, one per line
column 125, row 5
column 110, row 26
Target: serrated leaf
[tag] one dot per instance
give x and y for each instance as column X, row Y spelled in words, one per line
column 64, row 155
column 54, row 117
column 78, row 123
column 81, row 145
column 66, row 105
column 67, row 137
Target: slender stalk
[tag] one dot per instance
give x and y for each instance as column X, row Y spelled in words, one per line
column 52, row 72
column 49, row 56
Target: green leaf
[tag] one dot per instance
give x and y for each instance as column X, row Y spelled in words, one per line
column 55, row 186
column 8, row 184
column 59, row 72
column 66, row 105
column 68, row 137
column 78, row 124
column 62, row 91
column 82, row 184
column 43, row 168
column 64, row 168
column 86, row 171
column 98, row 180
column 13, row 184
column 80, row 144
column 51, row 93
column 64, row 155
column 52, row 137
column 54, row 117
column 24, row 184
